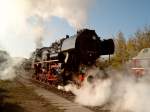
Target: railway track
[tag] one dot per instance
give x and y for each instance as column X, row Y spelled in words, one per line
column 49, row 95
column 53, row 88
column 67, row 95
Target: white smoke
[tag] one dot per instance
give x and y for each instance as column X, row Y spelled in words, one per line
column 9, row 69
column 39, row 36
column 21, row 20
column 73, row 11
column 23, row 24
column 130, row 92
column 96, row 92
column 122, row 90
column 131, row 95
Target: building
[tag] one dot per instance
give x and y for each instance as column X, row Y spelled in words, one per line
column 141, row 63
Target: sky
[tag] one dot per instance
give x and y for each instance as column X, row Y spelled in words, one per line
column 111, row 16
column 26, row 22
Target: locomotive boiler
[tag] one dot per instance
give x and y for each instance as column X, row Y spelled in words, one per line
column 65, row 57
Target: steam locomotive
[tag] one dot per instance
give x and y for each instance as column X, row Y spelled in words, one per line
column 66, row 59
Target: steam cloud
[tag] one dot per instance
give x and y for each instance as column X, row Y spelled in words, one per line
column 131, row 95
column 95, row 93
column 9, row 67
column 121, row 90
column 73, row 11
column 22, row 19
column 22, row 24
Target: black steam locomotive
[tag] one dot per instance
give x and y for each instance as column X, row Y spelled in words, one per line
column 63, row 60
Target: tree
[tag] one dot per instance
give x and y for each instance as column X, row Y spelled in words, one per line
column 120, row 55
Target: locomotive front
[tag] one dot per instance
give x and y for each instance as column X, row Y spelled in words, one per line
column 85, row 47
column 64, row 58
column 82, row 49
column 90, row 46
